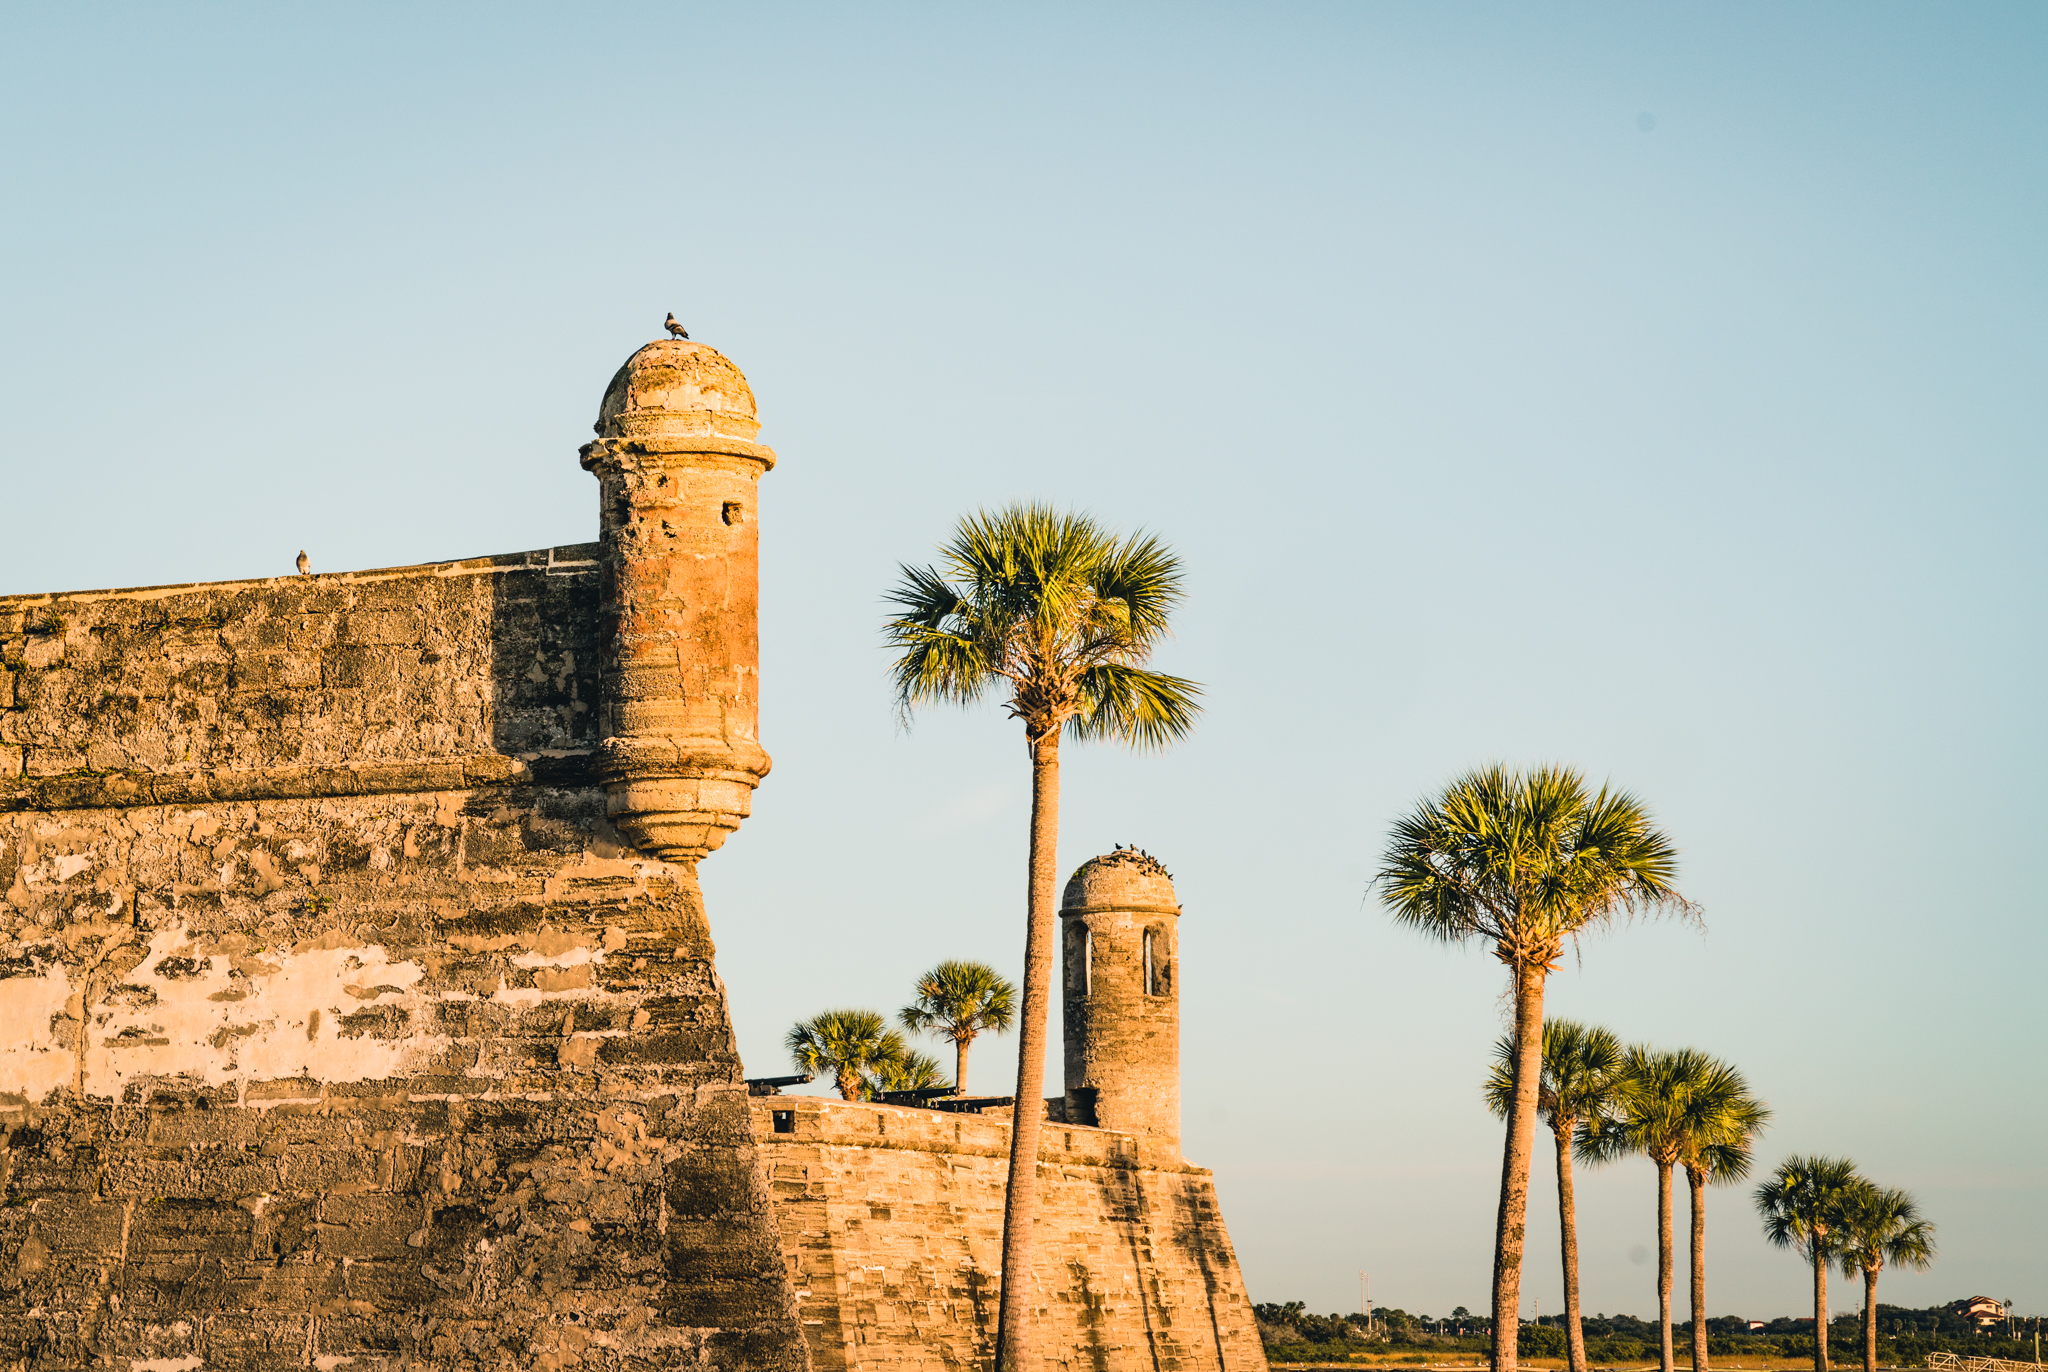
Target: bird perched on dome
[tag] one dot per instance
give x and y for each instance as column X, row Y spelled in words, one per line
column 678, row 330
column 305, row 563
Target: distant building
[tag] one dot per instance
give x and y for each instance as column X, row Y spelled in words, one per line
column 1982, row 1309
column 1756, row 1326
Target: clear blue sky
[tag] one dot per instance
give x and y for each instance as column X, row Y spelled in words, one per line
column 1654, row 388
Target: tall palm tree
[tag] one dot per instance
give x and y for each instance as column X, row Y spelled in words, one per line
column 914, row 1071
column 1524, row 861
column 1802, row 1207
column 851, row 1045
column 1681, row 1109
column 1715, row 1164
column 961, row 1001
column 1055, row 617
column 1881, row 1225
column 1580, row 1083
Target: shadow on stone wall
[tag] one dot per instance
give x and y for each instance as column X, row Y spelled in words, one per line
column 546, row 648
column 1123, row 1201
column 1196, row 1224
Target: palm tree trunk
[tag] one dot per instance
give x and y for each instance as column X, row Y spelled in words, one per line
column 1869, row 1319
column 1665, row 1359
column 1020, row 1207
column 1698, row 1188
column 1512, row 1221
column 1820, row 1308
column 1568, row 1227
column 960, row 1065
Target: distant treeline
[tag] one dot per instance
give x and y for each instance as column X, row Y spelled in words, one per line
column 1905, row 1336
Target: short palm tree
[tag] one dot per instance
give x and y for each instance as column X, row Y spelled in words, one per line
column 1054, row 617
column 1525, row 861
column 1682, row 1109
column 914, row 1071
column 961, row 1001
column 1803, row 1206
column 1581, row 1084
column 850, row 1045
column 1878, row 1226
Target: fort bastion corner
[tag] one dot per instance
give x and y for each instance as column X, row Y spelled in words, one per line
column 360, row 1002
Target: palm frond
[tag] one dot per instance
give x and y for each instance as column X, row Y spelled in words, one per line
column 1498, row 1091
column 1723, row 1162
column 1880, row 1225
column 943, row 656
column 1525, row 859
column 1687, row 1108
column 1602, row 1139
column 1581, row 1080
column 1803, row 1203
column 908, row 1071
column 1133, row 705
column 1426, row 886
column 847, row 1045
column 961, row 999
column 924, row 597
column 937, row 665
column 1051, row 606
column 1142, row 577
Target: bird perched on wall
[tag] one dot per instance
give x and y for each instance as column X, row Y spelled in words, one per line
column 305, row 563
column 678, row 330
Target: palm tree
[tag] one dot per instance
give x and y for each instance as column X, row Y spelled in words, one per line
column 1714, row 1164
column 1524, row 861
column 914, row 1071
column 961, row 1000
column 851, row 1045
column 1581, row 1081
column 1054, row 616
column 1878, row 1226
column 1689, row 1110
column 1802, row 1207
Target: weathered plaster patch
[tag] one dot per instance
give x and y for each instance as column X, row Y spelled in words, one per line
column 277, row 1014
column 60, row 868
column 33, row 1060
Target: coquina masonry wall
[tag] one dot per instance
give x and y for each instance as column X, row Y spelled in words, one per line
column 351, row 1017
column 891, row 1223
column 341, row 1028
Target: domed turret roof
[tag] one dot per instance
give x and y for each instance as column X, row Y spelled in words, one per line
column 676, row 388
column 1123, row 879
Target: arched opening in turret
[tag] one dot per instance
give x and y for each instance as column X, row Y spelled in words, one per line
column 1076, row 966
column 1158, row 963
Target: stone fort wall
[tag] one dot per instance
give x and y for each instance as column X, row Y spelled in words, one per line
column 358, row 1006
column 341, row 1028
column 891, row 1221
